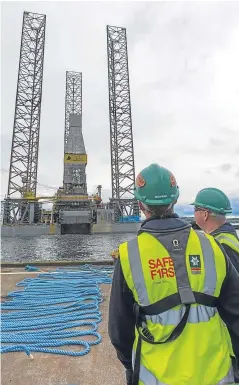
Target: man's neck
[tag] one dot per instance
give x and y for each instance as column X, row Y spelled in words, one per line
column 153, row 216
column 213, row 227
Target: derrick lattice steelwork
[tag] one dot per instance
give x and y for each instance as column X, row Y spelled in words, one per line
column 73, row 98
column 75, row 158
column 25, row 141
column 121, row 136
column 73, row 207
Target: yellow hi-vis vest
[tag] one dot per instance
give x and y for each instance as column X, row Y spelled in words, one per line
column 232, row 241
column 229, row 240
column 180, row 338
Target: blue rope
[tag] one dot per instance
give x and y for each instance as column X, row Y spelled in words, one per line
column 53, row 308
column 31, row 268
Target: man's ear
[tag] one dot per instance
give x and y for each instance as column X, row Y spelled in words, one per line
column 141, row 206
column 206, row 216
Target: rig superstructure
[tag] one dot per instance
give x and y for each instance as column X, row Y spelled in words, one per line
column 74, row 211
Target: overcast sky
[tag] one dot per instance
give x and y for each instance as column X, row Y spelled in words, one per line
column 184, row 81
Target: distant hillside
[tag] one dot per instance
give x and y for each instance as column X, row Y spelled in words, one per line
column 188, row 211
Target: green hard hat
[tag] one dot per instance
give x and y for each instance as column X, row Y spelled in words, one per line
column 214, row 200
column 156, row 186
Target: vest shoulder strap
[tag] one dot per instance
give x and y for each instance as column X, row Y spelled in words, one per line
column 175, row 243
column 174, row 300
column 228, row 239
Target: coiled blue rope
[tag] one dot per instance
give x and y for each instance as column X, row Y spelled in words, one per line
column 52, row 309
column 31, row 268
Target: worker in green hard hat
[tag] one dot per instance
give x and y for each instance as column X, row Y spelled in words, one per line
column 211, row 207
column 159, row 275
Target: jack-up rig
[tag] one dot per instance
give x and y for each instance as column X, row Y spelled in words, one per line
column 74, row 211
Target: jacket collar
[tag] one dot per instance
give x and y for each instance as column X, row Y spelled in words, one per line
column 169, row 223
column 226, row 228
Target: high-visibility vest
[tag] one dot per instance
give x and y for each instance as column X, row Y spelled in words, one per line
column 229, row 239
column 180, row 338
column 232, row 241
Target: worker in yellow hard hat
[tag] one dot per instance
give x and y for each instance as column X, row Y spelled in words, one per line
column 170, row 286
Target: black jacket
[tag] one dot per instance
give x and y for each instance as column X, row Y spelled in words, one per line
column 232, row 254
column 234, row 258
column 121, row 324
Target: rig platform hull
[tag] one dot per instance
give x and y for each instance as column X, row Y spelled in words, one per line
column 99, row 228
column 55, row 229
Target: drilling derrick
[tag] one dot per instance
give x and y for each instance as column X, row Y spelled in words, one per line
column 73, row 205
column 75, row 158
column 121, row 136
column 20, row 205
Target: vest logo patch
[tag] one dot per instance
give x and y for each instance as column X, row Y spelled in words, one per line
column 175, row 242
column 161, row 267
column 195, row 264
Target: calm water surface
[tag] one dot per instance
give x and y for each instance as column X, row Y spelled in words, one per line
column 57, row 247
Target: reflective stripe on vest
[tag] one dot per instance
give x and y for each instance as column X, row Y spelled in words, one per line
column 173, row 317
column 147, row 378
column 164, row 364
column 228, row 379
column 198, row 313
column 229, row 239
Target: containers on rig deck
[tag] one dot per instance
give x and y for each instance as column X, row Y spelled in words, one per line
column 130, row 218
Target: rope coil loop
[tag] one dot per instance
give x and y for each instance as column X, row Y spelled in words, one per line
column 53, row 308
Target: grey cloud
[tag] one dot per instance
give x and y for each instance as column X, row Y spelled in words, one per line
column 219, row 147
column 226, row 130
column 237, row 174
column 208, row 172
column 225, row 167
column 177, row 29
column 192, row 149
column 170, row 46
column 143, row 21
column 216, row 142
